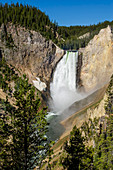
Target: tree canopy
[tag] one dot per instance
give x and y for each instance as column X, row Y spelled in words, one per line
column 23, row 127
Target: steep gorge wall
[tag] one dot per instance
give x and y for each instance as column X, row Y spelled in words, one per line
column 31, row 52
column 97, row 60
column 34, row 55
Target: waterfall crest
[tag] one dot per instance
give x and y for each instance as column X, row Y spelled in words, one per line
column 63, row 88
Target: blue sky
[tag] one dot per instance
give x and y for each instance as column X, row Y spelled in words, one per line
column 73, row 12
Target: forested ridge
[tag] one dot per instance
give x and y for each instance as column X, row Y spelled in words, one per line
column 28, row 17
column 34, row 19
column 71, row 35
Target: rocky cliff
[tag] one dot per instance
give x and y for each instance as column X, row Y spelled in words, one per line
column 29, row 51
column 32, row 54
column 97, row 60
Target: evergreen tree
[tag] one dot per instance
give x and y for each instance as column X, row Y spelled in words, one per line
column 25, row 129
column 103, row 151
column 110, row 140
column 6, row 130
column 77, row 156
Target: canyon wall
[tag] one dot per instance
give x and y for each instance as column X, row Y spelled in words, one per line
column 32, row 54
column 97, row 60
column 29, row 51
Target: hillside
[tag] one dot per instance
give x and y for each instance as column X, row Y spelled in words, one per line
column 92, row 122
column 75, row 38
column 31, row 18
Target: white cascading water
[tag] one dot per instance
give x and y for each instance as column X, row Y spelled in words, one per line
column 63, row 88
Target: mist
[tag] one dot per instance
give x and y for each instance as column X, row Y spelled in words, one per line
column 63, row 98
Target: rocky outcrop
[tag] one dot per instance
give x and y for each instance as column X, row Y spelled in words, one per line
column 39, row 85
column 29, row 51
column 97, row 63
column 86, row 35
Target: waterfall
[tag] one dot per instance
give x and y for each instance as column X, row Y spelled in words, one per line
column 63, row 88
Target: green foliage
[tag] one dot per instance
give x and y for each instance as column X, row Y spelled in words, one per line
column 6, row 129
column 71, row 35
column 7, row 38
column 29, row 17
column 103, row 158
column 33, row 19
column 23, row 128
column 90, row 129
column 77, row 156
column 7, row 75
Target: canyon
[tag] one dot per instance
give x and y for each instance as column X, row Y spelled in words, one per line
column 37, row 57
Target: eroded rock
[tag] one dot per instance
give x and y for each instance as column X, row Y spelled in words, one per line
column 31, row 52
column 97, row 60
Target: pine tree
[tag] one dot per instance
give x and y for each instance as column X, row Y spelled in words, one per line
column 110, row 141
column 103, row 151
column 25, row 129
column 76, row 155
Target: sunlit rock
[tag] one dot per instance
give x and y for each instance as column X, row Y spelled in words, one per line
column 41, row 86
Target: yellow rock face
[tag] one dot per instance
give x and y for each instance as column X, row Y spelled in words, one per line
column 97, row 65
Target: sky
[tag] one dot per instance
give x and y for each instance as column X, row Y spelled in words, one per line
column 72, row 12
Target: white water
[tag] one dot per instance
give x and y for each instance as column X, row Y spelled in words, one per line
column 63, row 88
